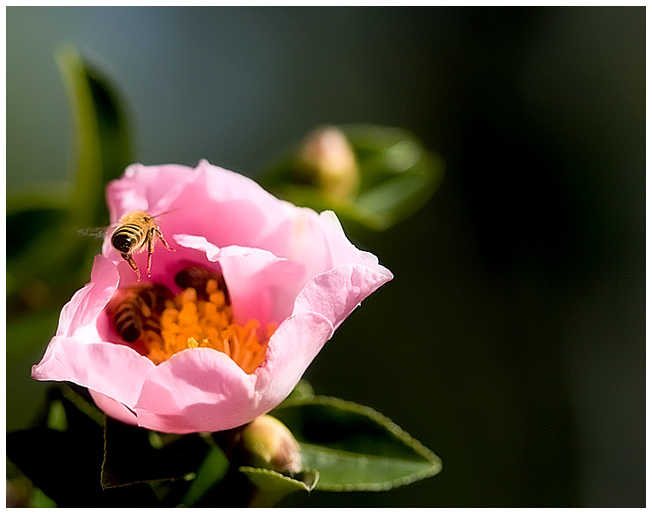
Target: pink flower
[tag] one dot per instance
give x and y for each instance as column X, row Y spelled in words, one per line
column 284, row 266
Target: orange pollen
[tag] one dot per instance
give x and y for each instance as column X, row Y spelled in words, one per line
column 188, row 322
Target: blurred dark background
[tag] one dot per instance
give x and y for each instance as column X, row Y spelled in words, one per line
column 512, row 340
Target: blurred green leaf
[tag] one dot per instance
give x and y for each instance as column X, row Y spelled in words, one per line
column 129, row 456
column 77, row 403
column 302, row 392
column 43, row 245
column 66, row 465
column 397, row 177
column 211, row 471
column 102, row 145
column 28, row 219
column 57, row 419
column 39, row 499
column 272, row 486
column 355, row 448
column 102, row 151
column 50, row 267
column 28, row 333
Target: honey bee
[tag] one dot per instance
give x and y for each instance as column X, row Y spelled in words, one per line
column 197, row 278
column 139, row 308
column 137, row 229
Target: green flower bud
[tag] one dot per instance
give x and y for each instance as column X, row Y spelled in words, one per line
column 267, row 443
column 327, row 161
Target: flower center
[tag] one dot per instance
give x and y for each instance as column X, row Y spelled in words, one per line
column 199, row 316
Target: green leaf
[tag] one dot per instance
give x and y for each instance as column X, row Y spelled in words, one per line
column 66, row 464
column 28, row 333
column 302, row 392
column 272, row 486
column 39, row 499
column 34, row 238
column 42, row 221
column 77, row 404
column 102, row 145
column 66, row 467
column 102, row 151
column 130, row 457
column 57, row 419
column 27, row 222
column 355, row 448
column 211, row 471
column 397, row 177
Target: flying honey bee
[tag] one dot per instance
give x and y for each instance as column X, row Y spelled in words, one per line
column 139, row 308
column 197, row 278
column 137, row 229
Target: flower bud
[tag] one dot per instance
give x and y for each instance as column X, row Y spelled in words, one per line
column 327, row 161
column 267, row 443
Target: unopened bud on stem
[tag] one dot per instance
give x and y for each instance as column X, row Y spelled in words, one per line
column 267, row 443
column 327, row 161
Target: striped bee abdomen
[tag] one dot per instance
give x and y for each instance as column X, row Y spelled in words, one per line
column 153, row 297
column 197, row 278
column 138, row 309
column 128, row 237
column 137, row 229
column 128, row 322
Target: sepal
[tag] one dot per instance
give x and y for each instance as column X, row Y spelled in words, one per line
column 271, row 486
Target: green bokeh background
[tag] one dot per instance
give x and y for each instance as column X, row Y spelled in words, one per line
column 512, row 340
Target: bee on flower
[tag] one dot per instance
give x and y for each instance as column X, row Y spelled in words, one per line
column 226, row 324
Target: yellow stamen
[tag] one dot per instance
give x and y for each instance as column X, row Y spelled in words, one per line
column 189, row 322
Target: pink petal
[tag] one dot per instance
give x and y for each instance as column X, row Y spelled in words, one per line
column 146, row 188
column 341, row 250
column 291, row 349
column 113, row 408
column 78, row 352
column 336, row 293
column 196, row 390
column 113, row 369
column 88, row 302
column 204, row 390
column 225, row 207
column 281, row 263
column 261, row 285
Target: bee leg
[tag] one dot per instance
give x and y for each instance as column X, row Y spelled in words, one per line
column 127, row 257
column 160, row 236
column 150, row 250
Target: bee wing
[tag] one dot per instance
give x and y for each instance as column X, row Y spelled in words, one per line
column 94, row 232
column 100, row 232
column 164, row 213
